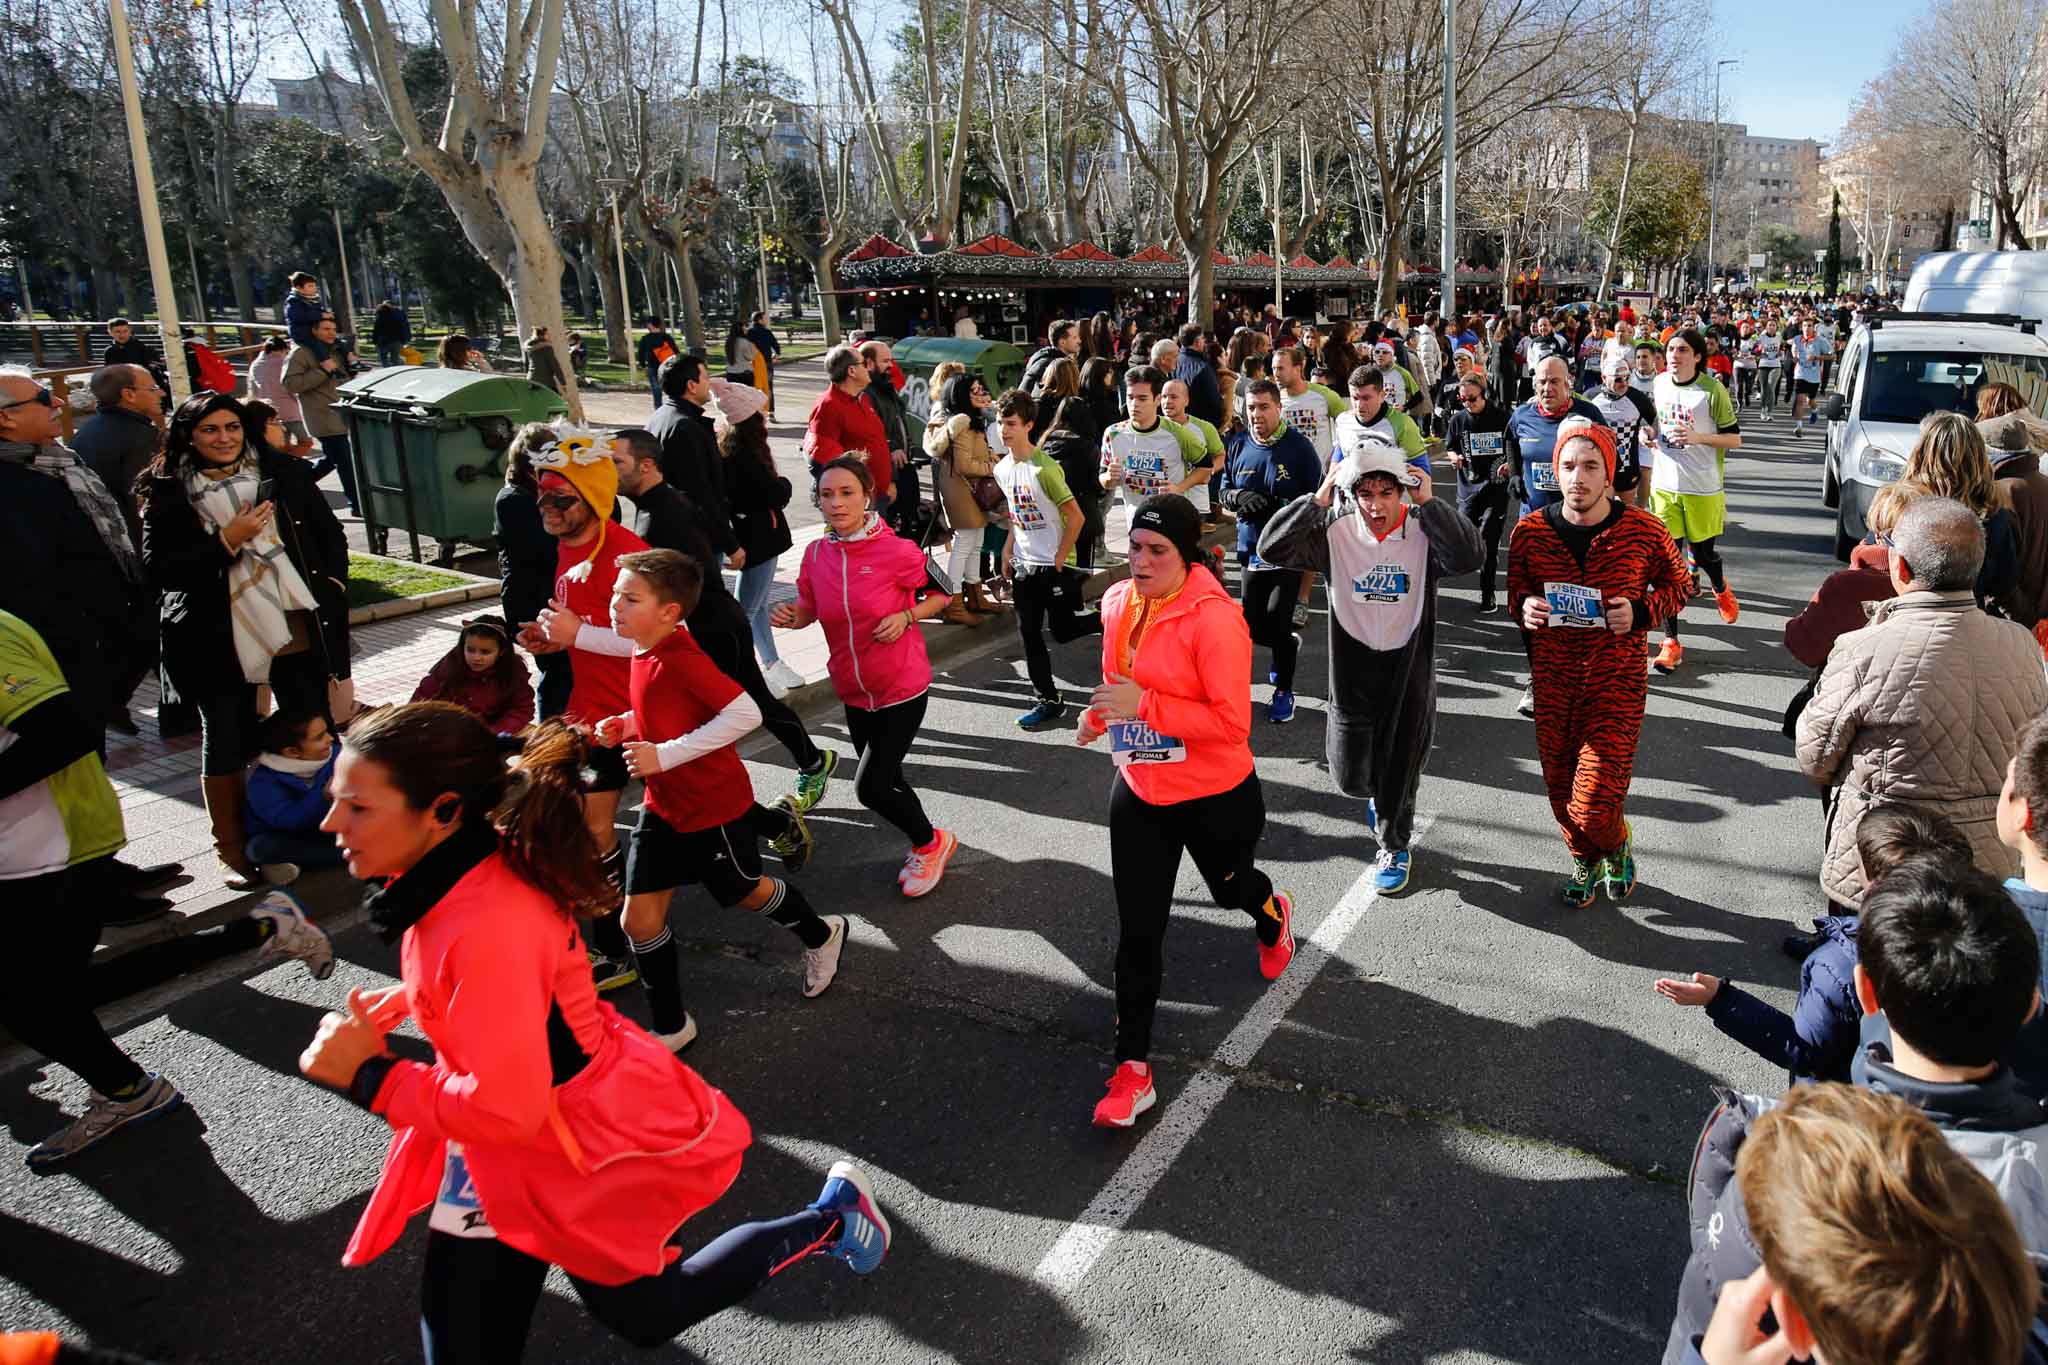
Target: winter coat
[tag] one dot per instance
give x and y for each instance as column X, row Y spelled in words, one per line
column 1078, row 454
column 505, row 706
column 758, row 497
column 1205, row 395
column 587, row 1141
column 1843, row 602
column 543, row 366
column 960, row 454
column 850, row 585
column 57, row 574
column 840, row 423
column 119, row 445
column 527, row 554
column 390, row 327
column 266, row 381
column 190, row 566
column 317, row 387
column 739, row 358
column 1192, row 663
column 888, row 405
column 690, row 460
column 302, row 315
column 2027, row 488
column 281, row 802
column 2001, row 571
column 1920, row 708
column 1817, row 1040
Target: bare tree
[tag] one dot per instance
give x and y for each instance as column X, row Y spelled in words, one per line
column 1654, row 52
column 1975, row 67
column 1522, row 177
column 1890, row 162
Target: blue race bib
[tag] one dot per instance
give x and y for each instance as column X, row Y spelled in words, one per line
column 1574, row 605
column 1133, row 741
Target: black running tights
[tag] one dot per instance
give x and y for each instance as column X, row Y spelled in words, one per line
column 1269, row 598
column 882, row 737
column 55, row 923
column 1708, row 558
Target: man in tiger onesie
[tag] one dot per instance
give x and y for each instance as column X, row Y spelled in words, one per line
column 1587, row 576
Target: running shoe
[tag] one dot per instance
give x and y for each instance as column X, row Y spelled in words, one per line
column 608, row 974
column 1390, row 871
column 280, row 874
column 1300, row 615
column 1048, row 711
column 863, row 1232
column 821, row 963
column 102, row 1118
column 1280, row 710
column 1488, row 604
column 1130, row 1094
column 1273, row 960
column 1527, row 705
column 1797, row 431
column 682, row 1037
column 1618, row 869
column 795, row 844
column 1730, row 608
column 923, row 868
column 810, row 787
column 1669, row 657
column 292, row 934
column 1577, row 891
column 782, row 679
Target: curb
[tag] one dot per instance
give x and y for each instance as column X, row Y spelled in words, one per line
column 472, row 589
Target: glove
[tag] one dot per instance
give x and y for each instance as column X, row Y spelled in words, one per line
column 1517, row 488
column 1253, row 505
column 1229, row 499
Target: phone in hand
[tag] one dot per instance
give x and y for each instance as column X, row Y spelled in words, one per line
column 266, row 489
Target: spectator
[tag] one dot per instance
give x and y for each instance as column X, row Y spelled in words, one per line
column 767, row 354
column 1879, row 1243
column 963, row 324
column 963, row 472
column 266, row 432
column 543, row 366
column 124, row 347
column 655, row 349
column 527, row 562
column 288, row 798
column 252, row 566
column 390, row 331
column 843, row 421
column 1951, row 964
column 119, row 440
column 1949, row 460
column 316, row 380
column 1101, row 390
column 303, row 310
column 759, row 499
column 1845, row 598
column 740, row 353
column 1062, row 340
column 1072, row 444
column 1061, row 380
column 689, row 452
column 483, row 675
column 2016, row 465
column 1923, row 707
column 579, row 354
column 2000, row 406
column 457, row 353
column 1198, row 372
column 266, row 381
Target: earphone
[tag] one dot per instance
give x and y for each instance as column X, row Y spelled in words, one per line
column 447, row 810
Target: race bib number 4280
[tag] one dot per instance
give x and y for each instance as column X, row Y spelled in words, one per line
column 1133, row 741
column 1572, row 604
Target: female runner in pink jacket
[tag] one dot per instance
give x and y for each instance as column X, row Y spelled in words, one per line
column 548, row 1129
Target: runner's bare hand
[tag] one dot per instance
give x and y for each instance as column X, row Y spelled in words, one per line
column 1535, row 612
column 1621, row 615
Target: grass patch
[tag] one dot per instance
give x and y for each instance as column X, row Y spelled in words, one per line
column 373, row 580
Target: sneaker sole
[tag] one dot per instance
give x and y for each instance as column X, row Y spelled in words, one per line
column 1286, row 936
column 682, row 1037
column 155, row 1112
column 1393, row 889
column 870, row 1207
column 1626, row 892
column 1144, row 1102
column 618, row 982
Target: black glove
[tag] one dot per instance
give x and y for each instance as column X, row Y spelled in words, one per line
column 1229, row 499
column 1517, row 489
column 1253, row 505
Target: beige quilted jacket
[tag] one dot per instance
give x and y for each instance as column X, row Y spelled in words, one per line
column 1921, row 707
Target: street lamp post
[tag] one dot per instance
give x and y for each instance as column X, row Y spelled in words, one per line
column 625, row 296
column 152, row 219
column 1447, row 251
column 1714, row 168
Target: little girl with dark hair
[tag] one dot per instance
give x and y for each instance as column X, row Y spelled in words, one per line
column 483, row 675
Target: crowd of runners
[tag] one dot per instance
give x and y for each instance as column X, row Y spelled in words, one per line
column 1582, row 482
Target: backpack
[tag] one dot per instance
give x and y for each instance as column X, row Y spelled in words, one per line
column 209, row 370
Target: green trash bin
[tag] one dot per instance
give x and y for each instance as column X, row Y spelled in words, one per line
column 429, row 446
column 1000, row 365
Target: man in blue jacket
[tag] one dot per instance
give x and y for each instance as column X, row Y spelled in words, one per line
column 1532, row 433
column 1269, row 465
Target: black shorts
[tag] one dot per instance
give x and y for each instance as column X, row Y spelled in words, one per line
column 607, row 769
column 724, row 859
column 1809, row 388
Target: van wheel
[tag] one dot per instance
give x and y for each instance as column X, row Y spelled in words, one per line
column 1830, row 489
column 1845, row 544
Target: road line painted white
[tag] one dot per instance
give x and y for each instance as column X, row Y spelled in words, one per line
column 1175, row 1125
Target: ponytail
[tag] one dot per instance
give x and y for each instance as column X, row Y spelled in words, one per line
column 540, row 823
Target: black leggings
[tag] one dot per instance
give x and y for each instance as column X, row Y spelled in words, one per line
column 882, row 738
column 1708, row 558
column 556, row 682
column 733, row 652
column 1145, row 844
column 1486, row 506
column 1269, row 598
column 55, row 923
column 477, row 1294
column 1049, row 597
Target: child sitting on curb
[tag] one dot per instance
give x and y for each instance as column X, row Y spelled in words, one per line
column 2022, row 809
column 1818, row 1039
column 484, row 676
column 288, row 797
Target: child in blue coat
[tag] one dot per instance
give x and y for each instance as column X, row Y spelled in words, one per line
column 1817, row 1041
column 288, row 797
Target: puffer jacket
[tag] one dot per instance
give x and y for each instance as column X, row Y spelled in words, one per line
column 2027, row 488
column 1922, row 707
column 960, row 453
column 1818, row 1039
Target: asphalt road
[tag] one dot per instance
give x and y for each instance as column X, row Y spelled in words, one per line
column 1455, row 1131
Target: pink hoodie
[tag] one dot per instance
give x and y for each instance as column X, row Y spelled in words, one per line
column 850, row 585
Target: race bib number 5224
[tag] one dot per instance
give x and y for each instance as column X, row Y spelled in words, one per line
column 1572, row 604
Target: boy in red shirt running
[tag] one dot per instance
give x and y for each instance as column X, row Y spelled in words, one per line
column 699, row 821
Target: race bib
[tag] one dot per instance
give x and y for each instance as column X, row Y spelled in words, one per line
column 1145, row 474
column 1381, row 584
column 1133, row 741
column 1574, row 605
column 1542, row 476
column 458, row 1211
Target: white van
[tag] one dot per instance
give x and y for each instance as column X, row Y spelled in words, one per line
column 1895, row 370
column 1980, row 282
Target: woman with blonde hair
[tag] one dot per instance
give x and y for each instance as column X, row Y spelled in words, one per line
column 1950, row 461
column 956, row 439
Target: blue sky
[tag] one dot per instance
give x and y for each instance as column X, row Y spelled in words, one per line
column 1802, row 64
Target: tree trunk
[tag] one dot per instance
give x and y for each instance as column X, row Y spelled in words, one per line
column 533, row 273
column 103, row 302
column 1628, row 163
column 579, row 260
column 1392, row 247
column 693, row 306
column 616, row 339
column 821, row 267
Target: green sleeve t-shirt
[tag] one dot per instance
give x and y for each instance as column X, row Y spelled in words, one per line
column 70, row 816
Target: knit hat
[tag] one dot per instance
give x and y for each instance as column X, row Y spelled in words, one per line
column 1376, row 457
column 737, row 402
column 1602, row 438
column 571, row 457
column 1174, row 517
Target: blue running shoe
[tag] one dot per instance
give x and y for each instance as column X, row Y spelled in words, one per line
column 1048, row 711
column 863, row 1231
column 1280, row 710
column 1390, row 871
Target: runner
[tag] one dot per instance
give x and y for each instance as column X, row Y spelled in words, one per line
column 869, row 587
column 579, row 487
column 1649, row 355
column 548, row 1129
column 1145, row 453
column 1478, row 447
column 1374, row 419
column 1627, row 411
column 1587, row 576
column 1401, row 385
column 1173, row 401
column 1176, row 703
column 1271, row 464
column 1309, row 408
column 1695, row 429
column 700, row 821
column 1532, row 433
column 1386, row 560
column 1810, row 351
column 1039, row 557
column 1770, row 359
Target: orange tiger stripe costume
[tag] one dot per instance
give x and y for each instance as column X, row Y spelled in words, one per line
column 1590, row 684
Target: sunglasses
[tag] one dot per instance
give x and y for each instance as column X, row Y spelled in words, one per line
column 560, row 502
column 41, row 395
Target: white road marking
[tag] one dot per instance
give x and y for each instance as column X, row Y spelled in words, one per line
column 1084, row 1241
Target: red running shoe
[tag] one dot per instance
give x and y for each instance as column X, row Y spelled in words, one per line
column 1130, row 1094
column 1274, row 960
column 1730, row 608
column 1669, row 658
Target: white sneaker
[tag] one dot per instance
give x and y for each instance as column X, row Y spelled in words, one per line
column 782, row 679
column 821, row 963
column 280, row 874
column 293, row 935
column 102, row 1119
column 922, row 871
column 682, row 1037
column 1527, row 705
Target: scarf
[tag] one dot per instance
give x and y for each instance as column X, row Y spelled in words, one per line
column 263, row 583
column 88, row 490
column 869, row 526
column 295, row 767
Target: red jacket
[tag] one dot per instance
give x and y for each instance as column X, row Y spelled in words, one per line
column 593, row 1175
column 1840, row 605
column 839, row 424
column 506, row 707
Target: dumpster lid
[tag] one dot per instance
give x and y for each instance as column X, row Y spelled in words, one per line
column 457, row 393
column 925, row 354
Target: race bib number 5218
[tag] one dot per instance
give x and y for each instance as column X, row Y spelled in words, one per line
column 1574, row 605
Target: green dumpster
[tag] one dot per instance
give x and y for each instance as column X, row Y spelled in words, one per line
column 1000, row 365
column 429, row 446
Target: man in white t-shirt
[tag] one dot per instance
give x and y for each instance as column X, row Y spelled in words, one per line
column 1810, row 351
column 1309, row 408
column 1045, row 523
column 1173, row 400
column 1146, row 453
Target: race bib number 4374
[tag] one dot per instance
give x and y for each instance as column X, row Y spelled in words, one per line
column 1572, row 604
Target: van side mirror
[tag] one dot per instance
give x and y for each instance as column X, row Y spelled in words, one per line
column 1835, row 408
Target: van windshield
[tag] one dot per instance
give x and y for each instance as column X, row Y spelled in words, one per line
column 1904, row 386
